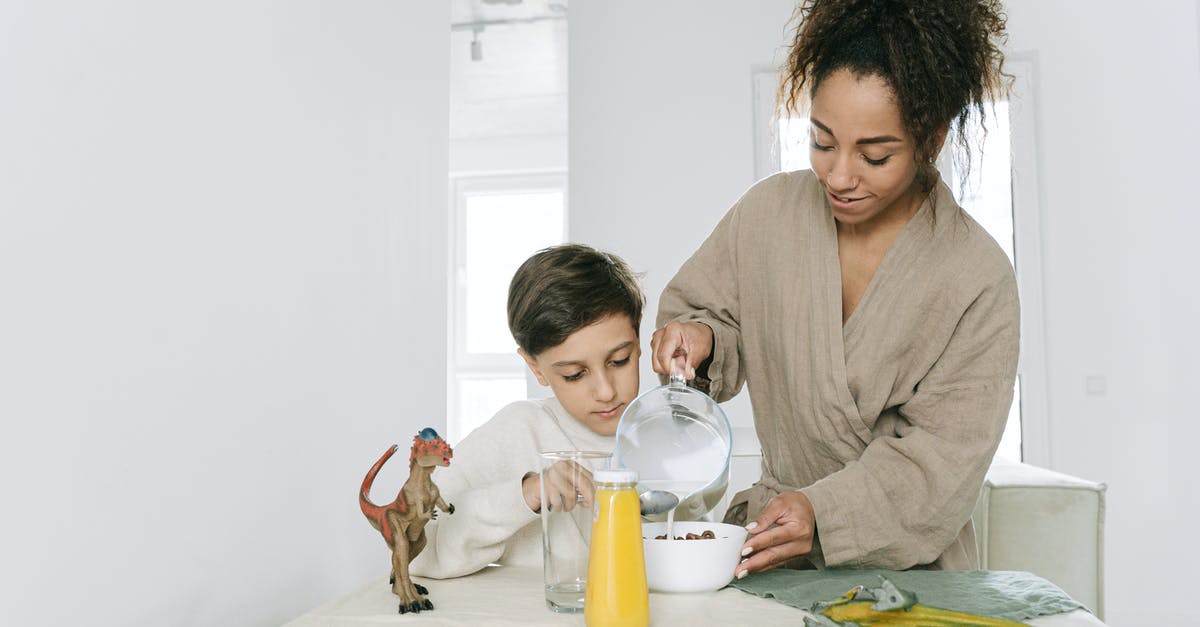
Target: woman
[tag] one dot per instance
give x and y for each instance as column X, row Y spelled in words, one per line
column 875, row 323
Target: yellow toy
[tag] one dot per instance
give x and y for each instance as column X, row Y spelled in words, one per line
column 889, row 605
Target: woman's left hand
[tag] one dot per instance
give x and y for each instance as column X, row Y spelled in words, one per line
column 782, row 532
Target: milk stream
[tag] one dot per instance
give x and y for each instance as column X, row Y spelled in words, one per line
column 690, row 494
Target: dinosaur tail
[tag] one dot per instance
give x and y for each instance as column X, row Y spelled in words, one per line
column 369, row 509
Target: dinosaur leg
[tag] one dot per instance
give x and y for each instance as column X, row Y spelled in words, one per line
column 415, row 546
column 416, row 543
column 402, row 586
column 421, row 590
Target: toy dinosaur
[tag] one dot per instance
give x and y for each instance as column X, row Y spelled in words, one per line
column 889, row 605
column 402, row 522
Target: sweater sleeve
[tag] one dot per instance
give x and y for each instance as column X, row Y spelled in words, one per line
column 706, row 290
column 483, row 483
column 908, row 496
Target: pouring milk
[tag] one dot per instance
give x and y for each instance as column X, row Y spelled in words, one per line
column 678, row 440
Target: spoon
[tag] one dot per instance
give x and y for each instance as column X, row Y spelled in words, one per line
column 654, row 502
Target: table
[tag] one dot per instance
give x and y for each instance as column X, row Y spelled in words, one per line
column 503, row 596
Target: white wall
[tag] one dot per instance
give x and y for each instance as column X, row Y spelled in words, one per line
column 508, row 110
column 508, row 155
column 222, row 247
column 1117, row 116
column 660, row 146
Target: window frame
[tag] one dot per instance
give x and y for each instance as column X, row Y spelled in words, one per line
column 1027, row 257
column 462, row 365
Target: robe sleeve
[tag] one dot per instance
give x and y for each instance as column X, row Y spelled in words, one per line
column 483, row 483
column 909, row 494
column 706, row 290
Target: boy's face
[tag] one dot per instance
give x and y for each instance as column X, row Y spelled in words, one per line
column 594, row 372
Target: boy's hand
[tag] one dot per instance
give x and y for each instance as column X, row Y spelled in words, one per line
column 567, row 485
column 531, row 489
column 694, row 340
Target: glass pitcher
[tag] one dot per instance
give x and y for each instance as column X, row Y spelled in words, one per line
column 678, row 439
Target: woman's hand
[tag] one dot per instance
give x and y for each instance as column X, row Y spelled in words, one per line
column 782, row 532
column 567, row 485
column 690, row 340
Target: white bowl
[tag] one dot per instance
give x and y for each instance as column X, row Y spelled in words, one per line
column 691, row 565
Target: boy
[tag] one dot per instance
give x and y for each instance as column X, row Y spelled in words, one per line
column 574, row 312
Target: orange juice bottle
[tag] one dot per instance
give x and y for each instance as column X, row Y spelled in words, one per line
column 616, row 594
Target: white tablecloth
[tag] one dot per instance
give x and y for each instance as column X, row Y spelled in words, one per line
column 503, row 595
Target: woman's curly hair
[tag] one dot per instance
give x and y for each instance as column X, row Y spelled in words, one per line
column 941, row 58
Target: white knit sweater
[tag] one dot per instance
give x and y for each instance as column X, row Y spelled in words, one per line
column 491, row 522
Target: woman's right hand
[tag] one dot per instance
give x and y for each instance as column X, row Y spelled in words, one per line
column 692, row 340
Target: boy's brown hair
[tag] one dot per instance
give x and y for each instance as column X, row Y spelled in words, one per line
column 562, row 289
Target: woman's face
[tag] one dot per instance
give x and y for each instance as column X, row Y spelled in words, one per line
column 860, row 150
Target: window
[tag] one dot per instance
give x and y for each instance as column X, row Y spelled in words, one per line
column 498, row 223
column 1000, row 194
column 987, row 196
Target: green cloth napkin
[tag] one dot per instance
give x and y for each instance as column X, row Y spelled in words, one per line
column 1011, row 595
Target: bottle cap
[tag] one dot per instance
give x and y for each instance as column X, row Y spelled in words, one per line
column 615, row 475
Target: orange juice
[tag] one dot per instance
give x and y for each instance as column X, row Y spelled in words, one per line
column 616, row 594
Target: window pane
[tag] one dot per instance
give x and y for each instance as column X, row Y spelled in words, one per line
column 1010, row 442
column 987, row 196
column 502, row 230
column 793, row 144
column 988, row 193
column 480, row 399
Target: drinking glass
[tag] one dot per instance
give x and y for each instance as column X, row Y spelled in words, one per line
column 567, row 502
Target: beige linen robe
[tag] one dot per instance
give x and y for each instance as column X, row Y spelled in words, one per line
column 887, row 423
